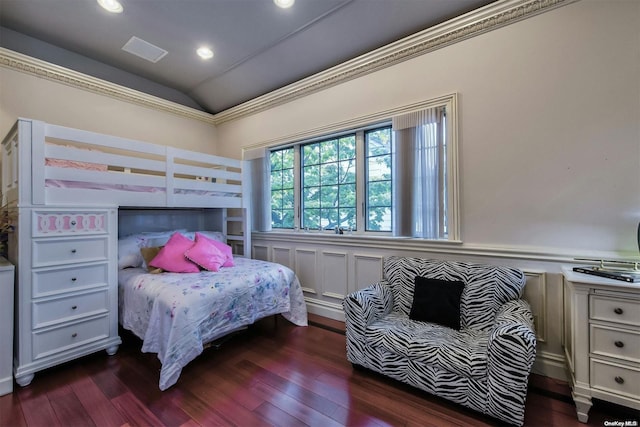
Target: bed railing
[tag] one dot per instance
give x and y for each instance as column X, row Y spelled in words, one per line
column 47, row 164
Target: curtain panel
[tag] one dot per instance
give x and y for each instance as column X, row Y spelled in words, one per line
column 419, row 174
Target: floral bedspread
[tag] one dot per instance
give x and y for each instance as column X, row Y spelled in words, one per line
column 175, row 314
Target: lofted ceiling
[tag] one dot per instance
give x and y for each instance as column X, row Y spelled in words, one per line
column 258, row 47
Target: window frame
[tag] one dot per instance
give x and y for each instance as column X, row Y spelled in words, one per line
column 361, row 124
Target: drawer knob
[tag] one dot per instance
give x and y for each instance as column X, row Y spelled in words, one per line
column 73, row 251
column 619, row 380
column 619, row 344
column 618, row 310
column 73, row 279
column 73, row 223
column 73, row 307
column 75, row 334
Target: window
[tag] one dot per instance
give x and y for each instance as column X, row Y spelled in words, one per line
column 397, row 177
column 329, row 184
column 282, row 188
column 378, row 177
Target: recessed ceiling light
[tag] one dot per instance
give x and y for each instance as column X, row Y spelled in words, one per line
column 204, row 52
column 284, row 3
column 112, row 6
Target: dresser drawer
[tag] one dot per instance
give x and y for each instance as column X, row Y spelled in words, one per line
column 616, row 343
column 610, row 309
column 70, row 223
column 47, row 282
column 622, row 380
column 67, row 337
column 74, row 306
column 66, row 251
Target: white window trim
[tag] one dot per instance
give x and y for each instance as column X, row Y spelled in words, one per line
column 450, row 102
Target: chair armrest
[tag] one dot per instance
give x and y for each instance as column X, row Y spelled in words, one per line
column 363, row 307
column 511, row 353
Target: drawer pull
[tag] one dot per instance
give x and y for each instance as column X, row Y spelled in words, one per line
column 73, row 223
column 75, row 334
column 73, row 251
column 618, row 310
column 73, row 279
column 74, row 307
column 619, row 380
column 619, row 344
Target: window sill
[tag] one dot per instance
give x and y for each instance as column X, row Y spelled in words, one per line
column 355, row 239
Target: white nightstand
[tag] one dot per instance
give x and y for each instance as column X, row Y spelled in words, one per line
column 601, row 340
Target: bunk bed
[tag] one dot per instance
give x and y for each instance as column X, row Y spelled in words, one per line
column 76, row 196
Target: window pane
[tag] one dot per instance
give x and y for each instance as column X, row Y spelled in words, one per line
column 311, row 219
column 276, row 180
column 282, row 176
column 379, row 142
column 311, row 197
column 347, row 195
column 347, row 172
column 287, row 158
column 379, row 168
column 329, row 151
column 311, row 154
column 378, row 179
column 311, row 176
column 347, row 218
column 329, row 197
column 379, row 219
column 379, row 193
column 329, row 218
column 329, row 174
column 287, row 198
column 347, row 147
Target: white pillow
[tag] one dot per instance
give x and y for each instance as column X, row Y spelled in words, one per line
column 129, row 251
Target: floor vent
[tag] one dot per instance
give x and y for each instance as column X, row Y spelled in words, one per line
column 144, row 49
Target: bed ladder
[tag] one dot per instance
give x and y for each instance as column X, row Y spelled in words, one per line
column 237, row 231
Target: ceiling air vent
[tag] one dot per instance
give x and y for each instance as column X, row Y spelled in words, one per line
column 144, row 49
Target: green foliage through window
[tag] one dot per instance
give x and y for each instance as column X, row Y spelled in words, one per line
column 282, row 188
column 329, row 184
column 378, row 179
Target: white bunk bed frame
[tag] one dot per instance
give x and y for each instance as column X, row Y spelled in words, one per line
column 164, row 177
column 74, row 194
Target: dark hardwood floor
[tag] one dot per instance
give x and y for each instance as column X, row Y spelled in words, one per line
column 272, row 374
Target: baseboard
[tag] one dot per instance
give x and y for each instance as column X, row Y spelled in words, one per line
column 6, row 385
column 550, row 365
column 325, row 309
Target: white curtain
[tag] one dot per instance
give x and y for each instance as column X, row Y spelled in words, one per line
column 419, row 174
column 260, row 191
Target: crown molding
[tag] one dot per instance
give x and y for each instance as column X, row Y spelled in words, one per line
column 39, row 68
column 482, row 20
column 488, row 18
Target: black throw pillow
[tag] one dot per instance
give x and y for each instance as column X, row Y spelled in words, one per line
column 437, row 301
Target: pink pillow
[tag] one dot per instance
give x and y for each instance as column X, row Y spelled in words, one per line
column 171, row 256
column 206, row 254
column 225, row 249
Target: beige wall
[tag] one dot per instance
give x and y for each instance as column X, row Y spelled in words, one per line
column 24, row 95
column 549, row 126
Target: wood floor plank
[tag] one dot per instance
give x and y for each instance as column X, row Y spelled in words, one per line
column 272, row 374
column 135, row 412
column 97, row 405
column 11, row 411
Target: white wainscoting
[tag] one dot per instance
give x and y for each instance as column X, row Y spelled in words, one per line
column 329, row 272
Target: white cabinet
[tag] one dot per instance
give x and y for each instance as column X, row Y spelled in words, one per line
column 6, row 326
column 602, row 340
column 67, row 298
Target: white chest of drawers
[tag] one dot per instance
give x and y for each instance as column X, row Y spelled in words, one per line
column 66, row 293
column 602, row 340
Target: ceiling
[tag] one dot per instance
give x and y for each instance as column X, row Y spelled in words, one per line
column 257, row 46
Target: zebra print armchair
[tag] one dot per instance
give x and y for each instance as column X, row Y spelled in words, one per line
column 484, row 366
